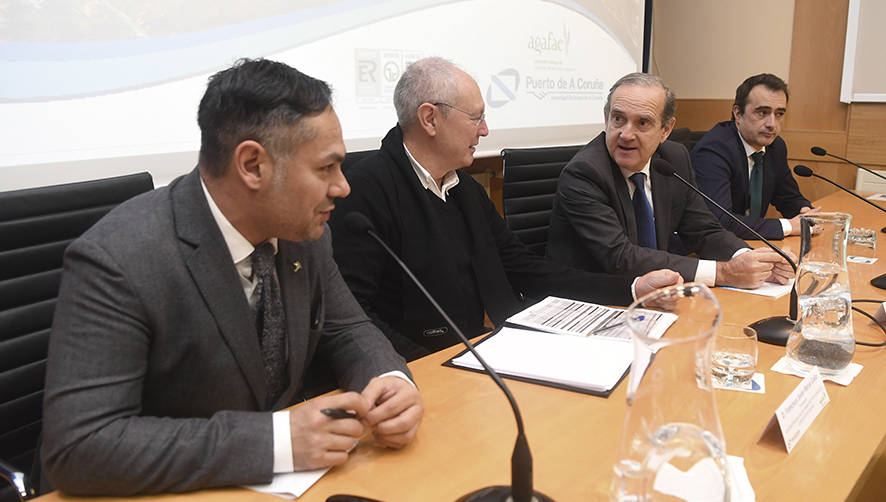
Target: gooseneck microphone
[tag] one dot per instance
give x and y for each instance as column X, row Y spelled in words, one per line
column 821, row 152
column 817, row 150
column 521, row 461
column 772, row 330
column 801, row 170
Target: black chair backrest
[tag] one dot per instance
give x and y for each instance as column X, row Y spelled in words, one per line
column 686, row 137
column 36, row 225
column 528, row 190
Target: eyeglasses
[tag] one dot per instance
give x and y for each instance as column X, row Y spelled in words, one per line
column 475, row 120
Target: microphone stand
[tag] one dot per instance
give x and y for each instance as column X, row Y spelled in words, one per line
column 821, row 152
column 521, row 489
column 801, row 170
column 772, row 330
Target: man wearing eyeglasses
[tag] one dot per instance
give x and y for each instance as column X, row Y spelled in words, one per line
column 443, row 225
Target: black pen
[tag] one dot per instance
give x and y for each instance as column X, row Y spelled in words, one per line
column 611, row 326
column 338, row 414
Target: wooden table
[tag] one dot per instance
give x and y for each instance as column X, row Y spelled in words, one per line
column 467, row 435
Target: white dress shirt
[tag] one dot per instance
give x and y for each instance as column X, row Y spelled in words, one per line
column 450, row 179
column 786, row 227
column 706, row 273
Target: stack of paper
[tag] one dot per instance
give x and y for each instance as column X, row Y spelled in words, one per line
column 594, row 364
column 592, row 360
column 572, row 317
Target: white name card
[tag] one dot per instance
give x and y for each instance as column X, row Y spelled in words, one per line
column 798, row 411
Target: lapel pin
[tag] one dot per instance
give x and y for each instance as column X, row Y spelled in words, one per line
column 296, row 266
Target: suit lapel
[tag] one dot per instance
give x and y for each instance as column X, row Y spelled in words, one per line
column 742, row 177
column 768, row 180
column 295, row 286
column 207, row 257
column 661, row 202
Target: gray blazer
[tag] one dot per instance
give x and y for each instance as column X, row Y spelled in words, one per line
column 593, row 225
column 154, row 379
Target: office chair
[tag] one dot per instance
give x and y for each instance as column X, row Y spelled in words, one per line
column 689, row 139
column 686, row 137
column 36, row 225
column 528, row 190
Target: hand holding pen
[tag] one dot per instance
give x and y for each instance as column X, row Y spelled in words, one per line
column 324, row 430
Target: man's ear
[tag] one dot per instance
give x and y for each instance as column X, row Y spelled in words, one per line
column 666, row 130
column 736, row 112
column 253, row 164
column 428, row 116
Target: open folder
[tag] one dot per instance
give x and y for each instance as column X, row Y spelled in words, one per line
column 585, row 347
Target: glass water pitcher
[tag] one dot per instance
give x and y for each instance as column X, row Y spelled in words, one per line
column 823, row 334
column 672, row 446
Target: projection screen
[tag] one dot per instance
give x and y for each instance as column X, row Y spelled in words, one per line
column 100, row 88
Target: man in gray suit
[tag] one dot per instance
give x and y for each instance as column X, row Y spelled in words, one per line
column 189, row 314
column 613, row 213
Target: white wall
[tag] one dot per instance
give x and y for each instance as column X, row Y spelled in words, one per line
column 704, row 49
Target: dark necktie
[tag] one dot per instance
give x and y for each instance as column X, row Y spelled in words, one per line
column 270, row 321
column 643, row 213
column 756, row 185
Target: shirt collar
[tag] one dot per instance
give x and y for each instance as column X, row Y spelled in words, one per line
column 748, row 149
column 238, row 245
column 627, row 173
column 450, row 179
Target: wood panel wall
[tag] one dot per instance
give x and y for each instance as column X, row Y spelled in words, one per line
column 815, row 117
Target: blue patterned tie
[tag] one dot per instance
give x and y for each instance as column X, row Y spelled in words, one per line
column 756, row 183
column 270, row 321
column 643, row 213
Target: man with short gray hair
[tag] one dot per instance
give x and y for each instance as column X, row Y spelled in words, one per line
column 443, row 225
column 612, row 213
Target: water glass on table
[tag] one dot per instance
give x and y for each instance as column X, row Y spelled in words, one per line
column 734, row 355
column 862, row 242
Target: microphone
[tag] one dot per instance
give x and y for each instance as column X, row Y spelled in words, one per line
column 772, row 330
column 521, row 461
column 801, row 170
column 821, row 152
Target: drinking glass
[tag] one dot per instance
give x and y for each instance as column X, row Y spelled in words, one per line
column 862, row 242
column 734, row 358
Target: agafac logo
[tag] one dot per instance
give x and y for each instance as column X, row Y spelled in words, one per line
column 550, row 42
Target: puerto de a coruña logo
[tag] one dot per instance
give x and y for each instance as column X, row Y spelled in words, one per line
column 502, row 88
